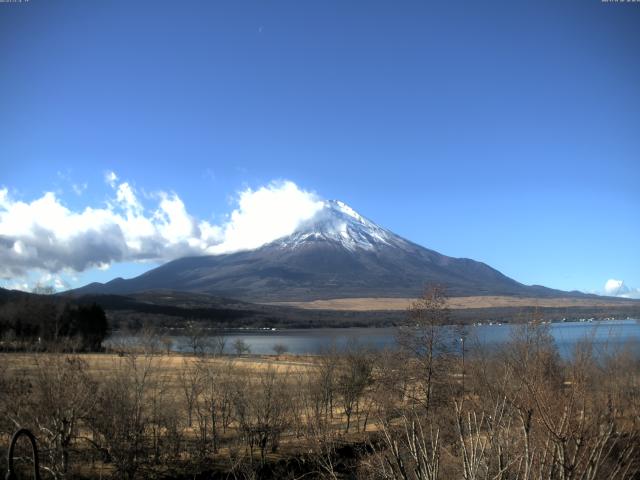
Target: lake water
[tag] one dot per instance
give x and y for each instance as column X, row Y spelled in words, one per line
column 606, row 335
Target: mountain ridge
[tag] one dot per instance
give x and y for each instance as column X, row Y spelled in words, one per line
column 336, row 254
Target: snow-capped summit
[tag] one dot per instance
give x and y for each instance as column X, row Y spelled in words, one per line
column 338, row 222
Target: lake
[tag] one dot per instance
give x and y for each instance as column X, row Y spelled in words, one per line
column 607, row 335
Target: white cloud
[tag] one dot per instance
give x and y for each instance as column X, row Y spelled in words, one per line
column 617, row 288
column 266, row 214
column 24, row 286
column 79, row 188
column 614, row 287
column 127, row 198
column 111, row 178
column 44, row 235
column 175, row 224
column 52, row 280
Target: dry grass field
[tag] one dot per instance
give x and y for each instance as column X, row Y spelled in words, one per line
column 168, row 367
column 455, row 303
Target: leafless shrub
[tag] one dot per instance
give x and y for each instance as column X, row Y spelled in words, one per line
column 280, row 349
column 120, row 420
column 354, row 376
column 213, row 402
column 190, row 383
column 262, row 410
column 52, row 403
column 241, row 347
column 196, row 336
column 411, row 449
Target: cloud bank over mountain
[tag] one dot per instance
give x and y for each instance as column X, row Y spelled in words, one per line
column 45, row 235
column 617, row 288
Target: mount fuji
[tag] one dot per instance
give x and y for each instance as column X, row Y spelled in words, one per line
column 336, row 254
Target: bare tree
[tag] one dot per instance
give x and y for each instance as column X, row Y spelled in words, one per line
column 323, row 384
column 149, row 340
column 262, row 410
column 354, row 376
column 196, row 336
column 61, row 397
column 167, row 343
column 280, row 349
column 424, row 341
column 411, row 449
column 162, row 416
column 214, row 401
column 217, row 343
column 191, row 385
column 120, row 419
column 241, row 347
column 537, row 417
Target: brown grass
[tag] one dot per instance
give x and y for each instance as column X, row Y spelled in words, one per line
column 456, row 303
column 102, row 364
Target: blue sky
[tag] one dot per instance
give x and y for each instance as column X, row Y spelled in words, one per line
column 506, row 132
